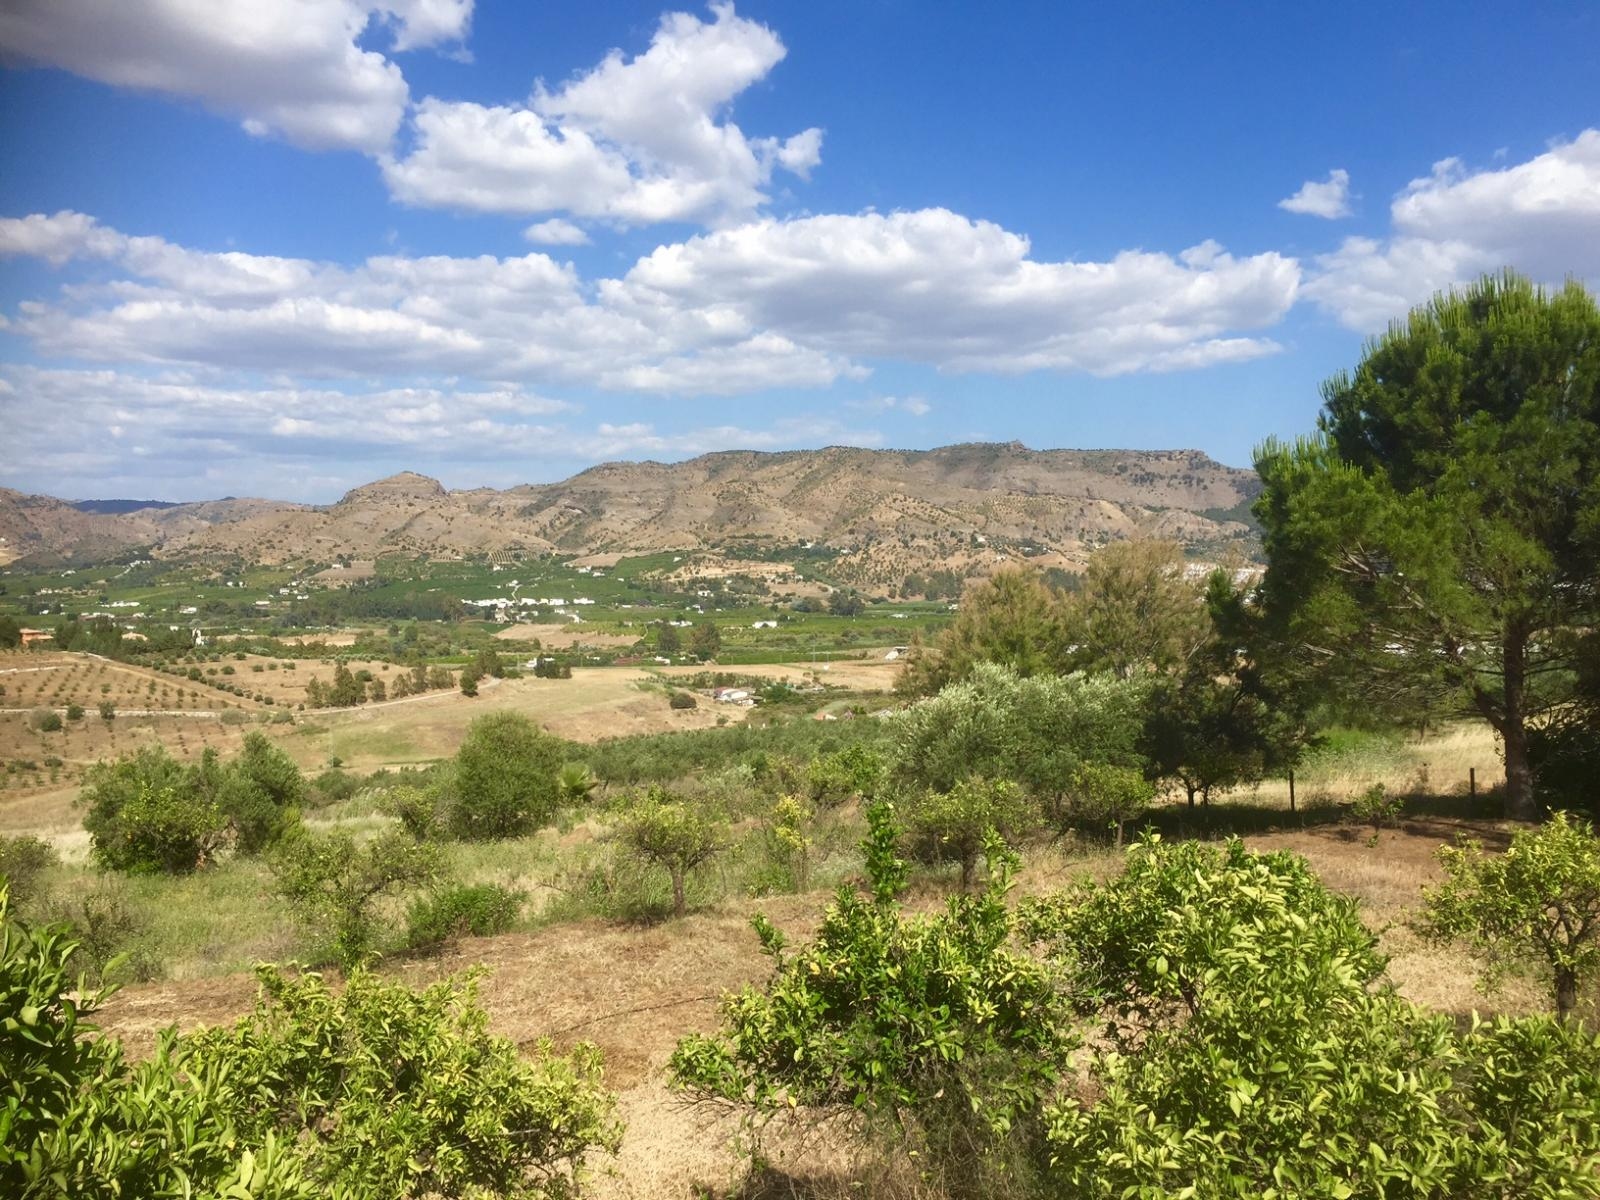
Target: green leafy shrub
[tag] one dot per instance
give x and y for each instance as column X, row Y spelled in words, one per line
column 1105, row 794
column 855, row 772
column 234, row 716
column 45, row 720
column 504, row 784
column 261, row 792
column 664, row 830
column 934, row 1030
column 416, row 808
column 1538, row 902
column 333, row 882
column 1251, row 1054
column 74, row 712
column 957, row 825
column 166, row 830
column 1376, row 807
column 376, row 1092
column 466, row 910
column 683, row 700
column 465, row 1113
column 108, row 710
column 24, row 859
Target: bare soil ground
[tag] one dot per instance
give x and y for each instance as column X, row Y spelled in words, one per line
column 26, row 795
column 285, row 679
column 345, row 637
column 56, row 680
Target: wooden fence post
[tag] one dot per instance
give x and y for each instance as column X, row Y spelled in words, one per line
column 1291, row 791
column 1472, row 781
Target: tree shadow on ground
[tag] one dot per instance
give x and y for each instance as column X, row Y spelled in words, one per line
column 1421, row 814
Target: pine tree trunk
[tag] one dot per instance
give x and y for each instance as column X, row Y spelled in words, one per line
column 1519, row 776
column 1519, row 804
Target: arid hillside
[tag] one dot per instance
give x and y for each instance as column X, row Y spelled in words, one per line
column 882, row 512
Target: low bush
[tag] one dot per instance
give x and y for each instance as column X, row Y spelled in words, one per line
column 504, row 782
column 934, row 1030
column 105, row 928
column 45, row 720
column 1251, row 1050
column 683, row 700
column 466, row 910
column 167, row 830
column 1376, row 807
column 302, row 1099
column 23, row 862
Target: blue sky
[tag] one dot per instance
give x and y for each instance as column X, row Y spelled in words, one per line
column 287, row 246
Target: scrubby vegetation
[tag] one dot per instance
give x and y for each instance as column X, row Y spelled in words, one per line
column 371, row 1091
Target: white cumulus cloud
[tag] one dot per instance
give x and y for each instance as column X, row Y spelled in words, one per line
column 936, row 287
column 290, row 68
column 1541, row 217
column 1329, row 199
column 797, row 303
column 635, row 141
column 555, row 232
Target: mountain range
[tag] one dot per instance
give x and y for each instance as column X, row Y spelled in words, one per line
column 883, row 513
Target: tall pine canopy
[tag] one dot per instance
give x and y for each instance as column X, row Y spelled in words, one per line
column 1437, row 543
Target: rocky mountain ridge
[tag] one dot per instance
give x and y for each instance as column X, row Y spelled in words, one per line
column 883, row 513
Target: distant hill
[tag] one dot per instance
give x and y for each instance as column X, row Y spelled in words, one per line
column 880, row 513
column 120, row 506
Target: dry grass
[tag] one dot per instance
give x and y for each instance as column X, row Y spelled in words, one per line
column 862, row 675
column 564, row 636
column 597, row 702
column 1439, row 764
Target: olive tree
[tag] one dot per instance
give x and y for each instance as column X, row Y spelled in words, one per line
column 1036, row 731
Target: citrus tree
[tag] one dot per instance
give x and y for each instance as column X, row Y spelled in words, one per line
column 935, row 1029
column 504, row 783
column 666, row 831
column 1539, row 902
